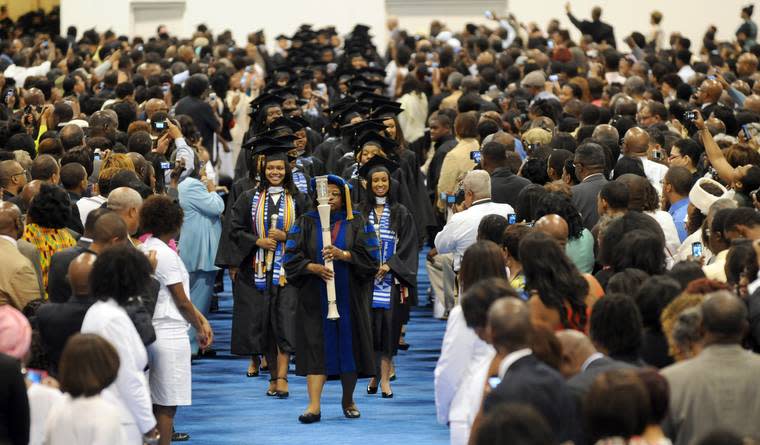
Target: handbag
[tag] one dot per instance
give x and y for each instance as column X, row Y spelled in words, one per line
column 142, row 318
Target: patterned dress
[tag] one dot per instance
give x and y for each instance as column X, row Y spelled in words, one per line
column 47, row 241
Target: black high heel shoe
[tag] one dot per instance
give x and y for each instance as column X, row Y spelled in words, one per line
column 371, row 389
column 278, row 394
column 387, row 395
column 352, row 412
column 310, row 417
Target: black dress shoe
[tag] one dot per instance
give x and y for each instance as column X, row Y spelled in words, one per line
column 371, row 389
column 310, row 417
column 252, row 374
column 180, row 437
column 351, row 412
column 387, row 395
column 404, row 346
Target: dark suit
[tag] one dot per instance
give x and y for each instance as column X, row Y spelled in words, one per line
column 14, row 411
column 584, row 198
column 597, row 29
column 580, row 383
column 59, row 321
column 533, row 383
column 58, row 287
column 505, row 186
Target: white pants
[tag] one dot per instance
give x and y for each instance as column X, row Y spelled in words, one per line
column 442, row 280
column 459, row 433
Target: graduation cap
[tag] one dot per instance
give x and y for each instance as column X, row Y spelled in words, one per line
column 386, row 111
column 375, row 138
column 354, row 130
column 360, row 29
column 287, row 122
column 344, row 115
column 282, row 37
column 264, row 100
column 274, row 151
column 376, row 162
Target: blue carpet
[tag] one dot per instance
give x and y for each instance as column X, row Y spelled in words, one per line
column 229, row 408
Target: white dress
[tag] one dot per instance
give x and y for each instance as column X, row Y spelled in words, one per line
column 169, row 375
column 84, row 421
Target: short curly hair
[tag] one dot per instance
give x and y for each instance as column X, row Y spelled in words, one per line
column 120, row 272
column 50, row 208
column 161, row 215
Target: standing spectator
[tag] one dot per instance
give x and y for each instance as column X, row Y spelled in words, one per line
column 18, row 280
column 169, row 356
column 458, row 161
column 462, row 229
column 615, row 328
column 505, row 184
column 201, row 231
column 617, row 407
column 205, row 118
column 46, row 225
column 717, row 388
column 599, row 31
column 15, row 339
column 89, row 364
column 589, row 162
column 675, row 193
column 119, row 274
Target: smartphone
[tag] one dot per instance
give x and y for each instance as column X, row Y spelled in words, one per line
column 159, row 125
column 9, row 93
column 553, row 78
column 511, row 218
column 711, row 77
column 451, row 199
column 690, row 116
column 696, row 249
column 167, row 165
column 322, row 88
column 36, row 375
column 166, row 87
column 489, row 15
column 475, row 156
column 212, row 97
column 657, row 155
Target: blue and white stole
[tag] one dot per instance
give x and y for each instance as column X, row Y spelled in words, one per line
column 381, row 294
column 260, row 216
column 299, row 178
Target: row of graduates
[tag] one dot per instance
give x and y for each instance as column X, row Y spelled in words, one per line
column 273, row 237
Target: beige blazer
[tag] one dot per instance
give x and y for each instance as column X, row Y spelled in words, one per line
column 18, row 280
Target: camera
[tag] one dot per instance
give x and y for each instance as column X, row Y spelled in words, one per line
column 511, row 218
column 696, row 249
column 167, row 165
column 657, row 155
column 159, row 125
column 475, row 156
column 690, row 116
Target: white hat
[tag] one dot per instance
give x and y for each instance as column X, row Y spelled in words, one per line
column 444, row 36
column 534, row 79
column 701, row 199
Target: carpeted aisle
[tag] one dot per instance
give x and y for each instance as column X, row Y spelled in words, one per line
column 229, row 408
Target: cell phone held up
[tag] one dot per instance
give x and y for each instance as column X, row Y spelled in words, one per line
column 696, row 249
column 690, row 116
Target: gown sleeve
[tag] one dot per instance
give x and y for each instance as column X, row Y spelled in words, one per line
column 404, row 262
column 241, row 231
column 365, row 252
column 296, row 256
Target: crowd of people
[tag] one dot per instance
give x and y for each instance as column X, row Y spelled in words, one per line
column 589, row 215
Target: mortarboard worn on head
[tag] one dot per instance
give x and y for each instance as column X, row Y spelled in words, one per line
column 377, row 162
column 282, row 37
column 273, row 151
column 352, row 131
column 344, row 115
column 287, row 122
column 374, row 138
column 264, row 100
column 385, row 111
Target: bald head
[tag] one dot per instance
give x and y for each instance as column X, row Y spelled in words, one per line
column 576, row 349
column 724, row 317
column 10, row 220
column 153, row 105
column 752, row 103
column 30, row 191
column 71, row 136
column 509, row 324
column 79, row 274
column 109, row 229
column 709, row 91
column 555, row 226
column 636, row 141
column 126, row 202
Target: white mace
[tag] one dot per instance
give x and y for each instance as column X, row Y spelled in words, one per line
column 324, row 218
column 270, row 254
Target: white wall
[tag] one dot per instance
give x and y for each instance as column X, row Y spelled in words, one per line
column 240, row 16
column 691, row 18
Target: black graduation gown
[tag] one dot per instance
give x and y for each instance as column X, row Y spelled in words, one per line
column 386, row 323
column 319, row 342
column 260, row 319
column 424, row 217
column 228, row 255
column 330, row 151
